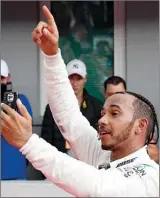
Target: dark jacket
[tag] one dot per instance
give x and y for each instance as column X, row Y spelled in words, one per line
column 90, row 108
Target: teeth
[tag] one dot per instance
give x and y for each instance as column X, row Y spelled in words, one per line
column 104, row 133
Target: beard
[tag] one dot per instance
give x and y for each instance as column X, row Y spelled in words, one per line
column 120, row 138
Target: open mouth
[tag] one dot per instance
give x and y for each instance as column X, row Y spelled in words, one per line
column 102, row 133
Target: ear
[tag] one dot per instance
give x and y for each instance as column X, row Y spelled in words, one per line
column 142, row 125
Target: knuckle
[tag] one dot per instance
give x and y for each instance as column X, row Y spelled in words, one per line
column 6, row 118
column 41, row 23
column 33, row 33
column 34, row 38
column 14, row 116
column 30, row 119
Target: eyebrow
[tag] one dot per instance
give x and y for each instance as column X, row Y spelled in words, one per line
column 113, row 105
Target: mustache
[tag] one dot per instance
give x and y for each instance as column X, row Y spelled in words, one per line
column 103, row 129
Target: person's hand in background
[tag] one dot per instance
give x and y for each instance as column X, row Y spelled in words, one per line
column 16, row 128
column 153, row 152
column 46, row 35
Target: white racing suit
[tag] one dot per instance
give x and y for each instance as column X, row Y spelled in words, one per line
column 133, row 176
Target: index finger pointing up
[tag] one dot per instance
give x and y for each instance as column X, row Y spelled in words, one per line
column 48, row 15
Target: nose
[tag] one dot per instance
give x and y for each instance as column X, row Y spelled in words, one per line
column 103, row 120
column 74, row 82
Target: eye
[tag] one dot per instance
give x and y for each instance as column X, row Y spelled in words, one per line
column 79, row 78
column 115, row 113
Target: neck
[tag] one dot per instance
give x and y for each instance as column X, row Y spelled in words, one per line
column 121, row 152
column 80, row 97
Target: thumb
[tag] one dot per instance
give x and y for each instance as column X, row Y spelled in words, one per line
column 23, row 109
column 51, row 37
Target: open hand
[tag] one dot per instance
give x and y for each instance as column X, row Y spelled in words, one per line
column 16, row 128
column 46, row 35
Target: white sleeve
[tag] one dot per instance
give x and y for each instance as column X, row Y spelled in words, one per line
column 65, row 109
column 76, row 177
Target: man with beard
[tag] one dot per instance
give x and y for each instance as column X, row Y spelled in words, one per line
column 115, row 84
column 127, row 125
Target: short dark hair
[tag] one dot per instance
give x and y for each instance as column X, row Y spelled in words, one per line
column 115, row 80
column 144, row 108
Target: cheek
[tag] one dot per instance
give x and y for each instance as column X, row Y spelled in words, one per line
column 71, row 81
column 119, row 124
column 4, row 81
column 81, row 84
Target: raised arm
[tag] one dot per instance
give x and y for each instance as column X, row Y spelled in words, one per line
column 63, row 103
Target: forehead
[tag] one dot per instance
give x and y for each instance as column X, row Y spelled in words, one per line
column 124, row 101
column 115, row 88
column 75, row 76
